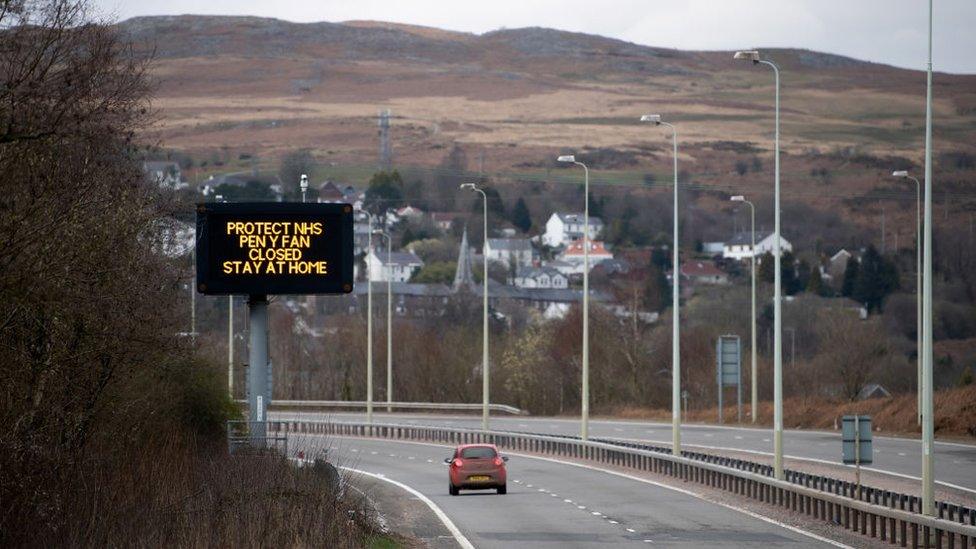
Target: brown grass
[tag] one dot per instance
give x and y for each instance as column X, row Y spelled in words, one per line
column 174, row 492
column 955, row 413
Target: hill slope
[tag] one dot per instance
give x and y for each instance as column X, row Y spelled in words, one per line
column 515, row 97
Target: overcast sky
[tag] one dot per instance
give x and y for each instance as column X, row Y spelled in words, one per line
column 886, row 31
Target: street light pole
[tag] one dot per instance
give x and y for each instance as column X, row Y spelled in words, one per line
column 918, row 288
column 755, row 376
column 585, row 405
column 369, row 323
column 928, row 425
column 777, row 286
column 389, row 324
column 675, row 300
column 485, row 396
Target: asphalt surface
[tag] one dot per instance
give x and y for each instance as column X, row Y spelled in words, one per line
column 955, row 464
column 553, row 504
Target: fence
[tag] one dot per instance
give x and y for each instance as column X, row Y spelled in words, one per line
column 240, row 437
column 879, row 517
column 377, row 405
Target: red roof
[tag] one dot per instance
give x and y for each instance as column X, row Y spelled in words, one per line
column 596, row 248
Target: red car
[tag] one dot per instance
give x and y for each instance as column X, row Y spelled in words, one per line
column 476, row 467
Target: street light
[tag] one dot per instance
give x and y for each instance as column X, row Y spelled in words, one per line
column 485, row 395
column 753, row 55
column 585, row 405
column 675, row 300
column 389, row 323
column 304, row 186
column 369, row 322
column 918, row 286
column 928, row 424
column 755, row 376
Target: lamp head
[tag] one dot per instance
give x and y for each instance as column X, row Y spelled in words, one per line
column 747, row 55
column 652, row 118
column 304, row 182
column 467, row 186
column 737, row 198
column 566, row 158
column 899, row 173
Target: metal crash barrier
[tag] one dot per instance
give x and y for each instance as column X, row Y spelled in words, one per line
column 883, row 515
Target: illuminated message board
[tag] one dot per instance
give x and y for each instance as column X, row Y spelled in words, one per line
column 274, row 248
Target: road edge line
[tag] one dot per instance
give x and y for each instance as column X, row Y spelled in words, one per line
column 623, row 475
column 455, row 531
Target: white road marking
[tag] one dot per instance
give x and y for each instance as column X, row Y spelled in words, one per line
column 581, row 507
column 568, row 500
column 595, row 513
column 738, row 437
column 653, row 483
column 613, row 522
column 461, row 539
column 631, row 530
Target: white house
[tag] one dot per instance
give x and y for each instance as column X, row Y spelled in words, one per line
column 573, row 254
column 740, row 247
column 401, row 266
column 540, row 277
column 561, row 229
column 510, row 251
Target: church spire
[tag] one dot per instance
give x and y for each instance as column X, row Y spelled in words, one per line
column 463, row 276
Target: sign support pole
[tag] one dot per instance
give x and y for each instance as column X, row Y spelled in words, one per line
column 258, row 398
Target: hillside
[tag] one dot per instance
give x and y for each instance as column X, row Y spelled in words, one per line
column 513, row 98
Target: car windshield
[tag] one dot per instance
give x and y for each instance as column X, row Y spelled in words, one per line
column 478, row 452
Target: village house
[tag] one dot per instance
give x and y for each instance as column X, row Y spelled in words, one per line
column 539, row 277
column 399, row 267
column 573, row 254
column 561, row 229
column 333, row 193
column 703, row 272
column 444, row 220
column 510, row 251
column 740, row 247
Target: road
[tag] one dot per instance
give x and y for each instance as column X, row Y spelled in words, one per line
column 954, row 463
column 551, row 504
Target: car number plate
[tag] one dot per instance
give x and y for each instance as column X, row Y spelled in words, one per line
column 479, row 478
